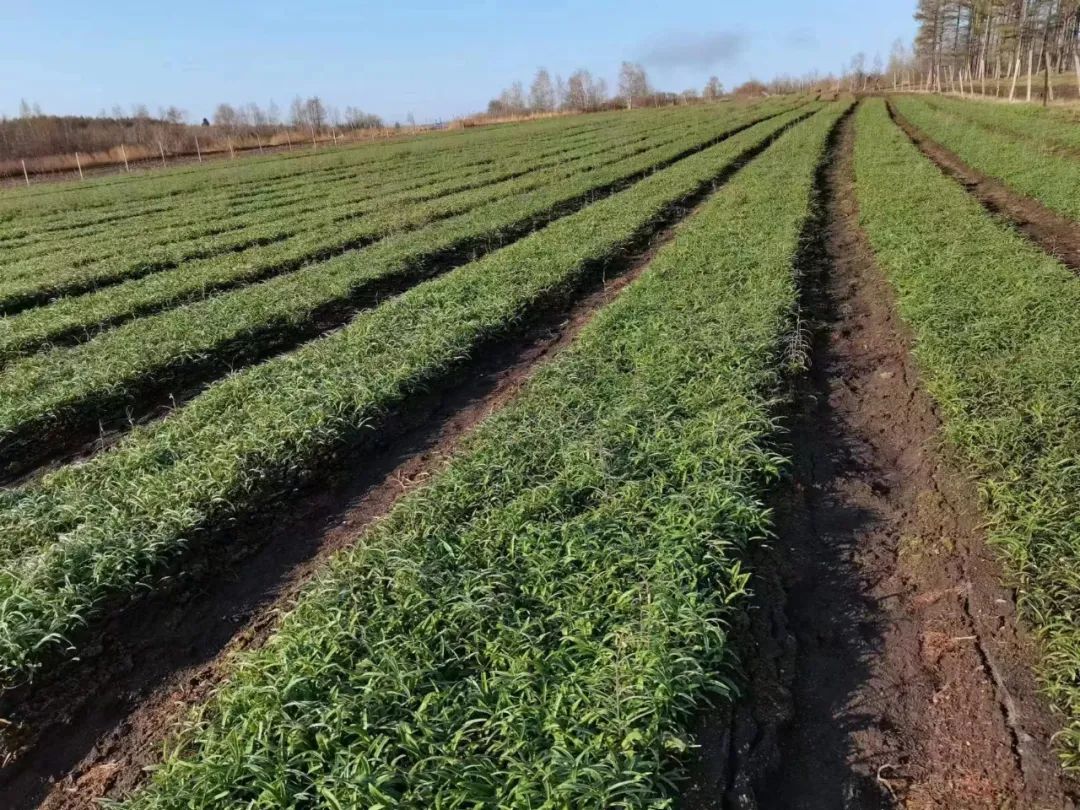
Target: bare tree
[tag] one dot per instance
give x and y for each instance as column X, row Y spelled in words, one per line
column 298, row 114
column 633, row 83
column 316, row 113
column 577, row 90
column 559, row 101
column 355, row 118
column 225, row 116
column 597, row 94
column 713, row 89
column 541, row 93
column 174, row 115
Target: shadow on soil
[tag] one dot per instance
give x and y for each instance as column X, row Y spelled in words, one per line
column 807, row 643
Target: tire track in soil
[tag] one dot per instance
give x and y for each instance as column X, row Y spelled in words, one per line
column 90, row 729
column 1057, row 235
column 884, row 660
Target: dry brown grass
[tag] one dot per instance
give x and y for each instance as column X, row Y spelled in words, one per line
column 143, row 156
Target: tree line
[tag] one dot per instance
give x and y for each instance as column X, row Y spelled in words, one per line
column 34, row 134
column 994, row 39
column 583, row 92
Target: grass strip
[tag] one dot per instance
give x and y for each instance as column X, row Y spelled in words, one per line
column 318, row 191
column 66, row 389
column 536, row 627
column 996, row 324
column 1025, row 121
column 209, row 238
column 1048, row 178
column 65, row 272
column 81, row 316
column 107, row 525
column 58, row 203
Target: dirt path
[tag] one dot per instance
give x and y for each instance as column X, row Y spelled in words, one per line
column 1057, row 235
column 885, row 665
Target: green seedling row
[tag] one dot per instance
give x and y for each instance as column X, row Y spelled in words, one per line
column 222, row 208
column 178, row 186
column 996, row 324
column 1025, row 121
column 64, row 272
column 106, row 526
column 537, row 627
column 80, row 247
column 1046, row 177
column 79, row 384
column 75, row 316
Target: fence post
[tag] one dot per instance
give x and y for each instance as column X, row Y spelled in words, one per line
column 123, row 153
column 79, row 164
column 25, row 175
column 162, row 150
column 198, row 151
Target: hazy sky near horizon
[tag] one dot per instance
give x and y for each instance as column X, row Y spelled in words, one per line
column 433, row 59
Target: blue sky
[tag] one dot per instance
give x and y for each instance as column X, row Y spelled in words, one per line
column 433, row 59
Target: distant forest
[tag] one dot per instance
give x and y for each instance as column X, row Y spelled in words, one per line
column 583, row 92
column 34, row 134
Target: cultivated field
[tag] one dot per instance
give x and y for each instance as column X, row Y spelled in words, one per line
column 715, row 453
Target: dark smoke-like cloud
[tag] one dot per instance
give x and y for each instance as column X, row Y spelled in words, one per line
column 691, row 50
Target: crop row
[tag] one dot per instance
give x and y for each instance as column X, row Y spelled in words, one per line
column 536, row 627
column 59, row 202
column 106, row 525
column 996, row 324
column 200, row 219
column 63, row 271
column 1026, row 121
column 226, row 200
column 176, row 188
column 1042, row 175
column 75, row 386
column 74, row 316
column 220, row 210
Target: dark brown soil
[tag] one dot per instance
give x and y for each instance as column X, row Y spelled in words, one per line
column 886, row 664
column 1057, row 235
column 91, row 728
